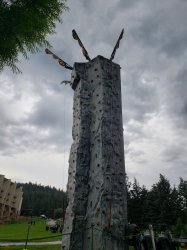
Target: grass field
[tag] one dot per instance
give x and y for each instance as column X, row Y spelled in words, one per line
column 46, row 247
column 18, row 232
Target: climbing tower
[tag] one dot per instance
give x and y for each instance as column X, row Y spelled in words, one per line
column 96, row 184
column 97, row 211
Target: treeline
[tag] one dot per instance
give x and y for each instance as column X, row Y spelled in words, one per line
column 161, row 205
column 38, row 199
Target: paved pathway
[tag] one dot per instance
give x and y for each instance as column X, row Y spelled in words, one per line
column 29, row 243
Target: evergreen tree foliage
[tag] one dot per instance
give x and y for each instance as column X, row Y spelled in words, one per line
column 58, row 213
column 38, row 199
column 24, row 25
column 136, row 202
column 182, row 188
column 179, row 227
column 161, row 205
column 182, row 191
column 159, row 200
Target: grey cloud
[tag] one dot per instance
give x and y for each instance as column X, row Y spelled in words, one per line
column 184, row 109
column 176, row 99
column 23, row 138
column 133, row 132
column 163, row 28
column 14, row 140
column 175, row 159
column 54, row 112
column 126, row 4
column 145, row 32
column 137, row 153
column 174, row 153
column 4, row 142
column 140, row 99
column 51, row 111
column 175, row 45
column 153, row 47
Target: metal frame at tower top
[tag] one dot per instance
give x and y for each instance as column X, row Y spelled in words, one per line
column 84, row 51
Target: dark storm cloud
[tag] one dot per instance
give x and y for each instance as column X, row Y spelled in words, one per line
column 163, row 27
column 152, row 55
column 45, row 124
column 50, row 111
column 175, row 158
column 126, row 4
column 175, row 45
column 181, row 90
column 176, row 99
column 21, row 138
column 140, row 99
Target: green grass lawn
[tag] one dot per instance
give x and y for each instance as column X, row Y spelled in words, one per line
column 46, row 247
column 18, row 232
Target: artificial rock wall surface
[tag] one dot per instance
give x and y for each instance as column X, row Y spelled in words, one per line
column 96, row 183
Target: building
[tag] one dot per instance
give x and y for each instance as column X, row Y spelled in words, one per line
column 10, row 199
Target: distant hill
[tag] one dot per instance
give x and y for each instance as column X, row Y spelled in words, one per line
column 38, row 199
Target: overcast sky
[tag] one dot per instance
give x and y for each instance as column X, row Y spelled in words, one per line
column 36, row 110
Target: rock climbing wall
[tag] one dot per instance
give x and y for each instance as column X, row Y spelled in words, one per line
column 96, row 183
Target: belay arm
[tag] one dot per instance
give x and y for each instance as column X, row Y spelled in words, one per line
column 60, row 61
column 117, row 45
column 84, row 51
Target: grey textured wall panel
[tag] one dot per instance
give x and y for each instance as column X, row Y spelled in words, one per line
column 96, row 183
